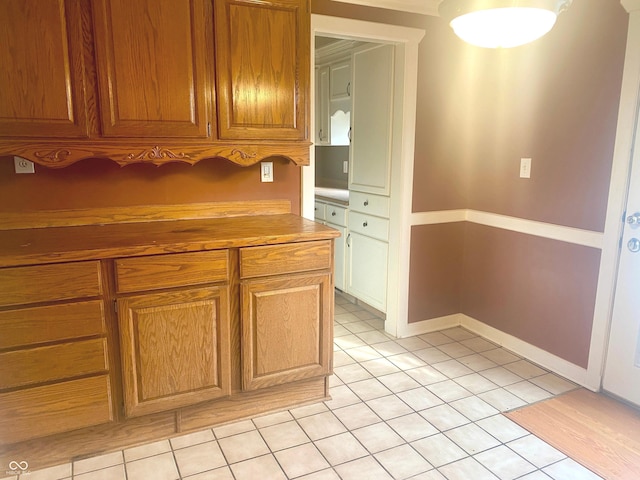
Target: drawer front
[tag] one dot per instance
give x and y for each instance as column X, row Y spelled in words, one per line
column 30, row 326
column 173, row 270
column 45, row 283
column 369, row 225
column 319, row 211
column 337, row 215
column 368, row 203
column 55, row 362
column 287, row 258
column 61, row 407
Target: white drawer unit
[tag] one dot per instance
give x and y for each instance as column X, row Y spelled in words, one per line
column 367, row 270
column 319, row 211
column 368, row 203
column 336, row 215
column 369, row 225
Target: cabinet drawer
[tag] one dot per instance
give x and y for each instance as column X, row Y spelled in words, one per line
column 35, row 325
column 369, row 225
column 61, row 407
column 369, row 203
column 336, row 215
column 55, row 362
column 173, row 270
column 319, row 211
column 44, row 283
column 287, row 258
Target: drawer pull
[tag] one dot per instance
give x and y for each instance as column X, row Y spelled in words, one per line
column 366, row 202
column 364, row 224
column 333, row 214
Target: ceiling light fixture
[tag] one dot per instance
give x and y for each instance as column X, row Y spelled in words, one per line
column 501, row 23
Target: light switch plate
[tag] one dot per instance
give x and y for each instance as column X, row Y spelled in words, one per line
column 525, row 168
column 266, row 171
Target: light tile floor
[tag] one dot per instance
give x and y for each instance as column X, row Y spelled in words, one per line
column 422, row 408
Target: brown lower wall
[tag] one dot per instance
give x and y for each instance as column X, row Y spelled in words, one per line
column 102, row 183
column 434, row 273
column 539, row 290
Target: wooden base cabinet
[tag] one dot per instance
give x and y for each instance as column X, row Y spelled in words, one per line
column 54, row 362
column 125, row 342
column 175, row 349
column 286, row 328
column 287, row 313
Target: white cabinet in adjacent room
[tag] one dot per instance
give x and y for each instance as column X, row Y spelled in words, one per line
column 322, row 127
column 335, row 216
column 371, row 119
column 368, row 248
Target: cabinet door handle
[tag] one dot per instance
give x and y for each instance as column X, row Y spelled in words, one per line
column 349, row 134
column 349, row 89
column 364, row 224
column 320, row 134
column 348, row 238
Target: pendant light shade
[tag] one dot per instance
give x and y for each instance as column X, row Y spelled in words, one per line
column 501, row 23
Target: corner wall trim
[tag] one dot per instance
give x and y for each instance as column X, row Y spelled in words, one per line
column 587, row 238
column 532, row 353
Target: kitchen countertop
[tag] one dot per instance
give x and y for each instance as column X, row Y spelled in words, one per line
column 335, row 195
column 62, row 244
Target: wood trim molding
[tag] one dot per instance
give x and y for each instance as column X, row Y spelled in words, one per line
column 424, row 7
column 59, row 155
column 587, row 238
column 140, row 213
column 630, row 5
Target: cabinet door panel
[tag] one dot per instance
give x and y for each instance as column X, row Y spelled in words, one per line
column 175, row 349
column 339, row 257
column 341, row 80
column 42, row 74
column 367, row 272
column 262, row 58
column 59, row 407
column 151, row 67
column 286, row 329
column 371, row 120
column 322, row 128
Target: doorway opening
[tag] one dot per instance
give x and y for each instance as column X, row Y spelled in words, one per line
column 404, row 41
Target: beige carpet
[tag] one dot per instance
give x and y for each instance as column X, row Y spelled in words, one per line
column 596, row 431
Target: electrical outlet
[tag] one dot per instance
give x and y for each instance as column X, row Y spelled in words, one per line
column 345, row 166
column 525, row 168
column 266, row 171
column 23, row 165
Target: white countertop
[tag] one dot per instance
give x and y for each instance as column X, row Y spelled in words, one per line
column 338, row 195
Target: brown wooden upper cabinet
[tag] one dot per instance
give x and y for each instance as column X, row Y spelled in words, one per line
column 262, row 60
column 154, row 80
column 42, row 78
column 152, row 68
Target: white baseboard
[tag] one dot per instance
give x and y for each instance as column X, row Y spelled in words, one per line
column 431, row 325
column 532, row 353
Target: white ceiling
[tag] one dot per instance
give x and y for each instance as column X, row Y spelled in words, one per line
column 424, row 7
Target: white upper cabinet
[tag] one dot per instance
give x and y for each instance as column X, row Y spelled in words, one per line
column 323, row 132
column 371, row 119
column 341, row 80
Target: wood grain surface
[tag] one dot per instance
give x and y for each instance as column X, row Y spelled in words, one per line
column 52, row 245
column 44, row 283
column 175, row 270
column 30, row 326
column 50, row 409
column 593, row 429
column 140, row 213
